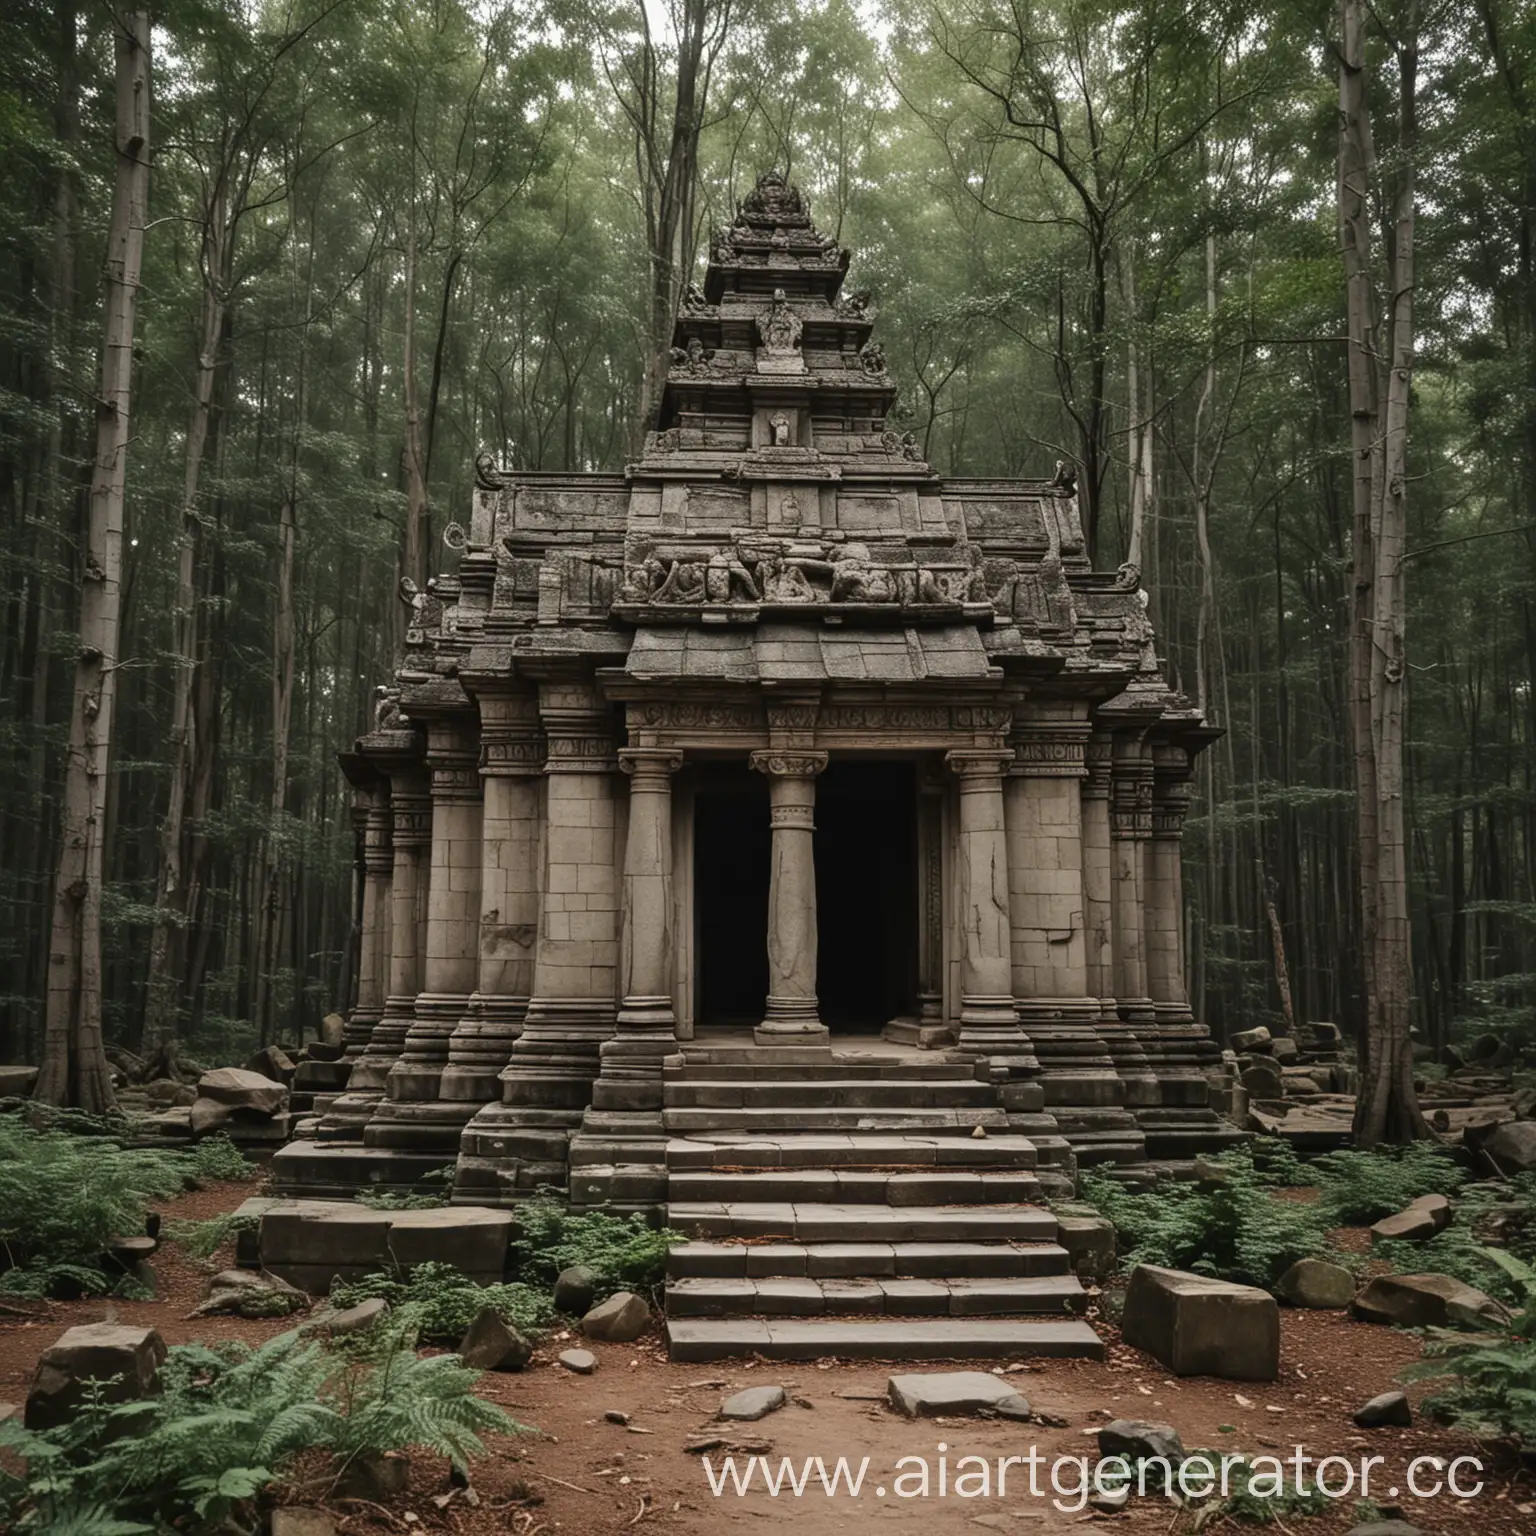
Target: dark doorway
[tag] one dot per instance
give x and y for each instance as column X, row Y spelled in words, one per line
column 732, row 844
column 866, row 892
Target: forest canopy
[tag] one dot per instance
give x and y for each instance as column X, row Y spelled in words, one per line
column 384, row 238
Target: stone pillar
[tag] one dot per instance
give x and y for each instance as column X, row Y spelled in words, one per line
column 410, row 803
column 373, row 940
column 547, row 1083
column 1130, row 828
column 411, row 1116
column 792, row 1015
column 989, row 1023
column 1165, row 885
column 927, row 1029
column 1043, row 806
column 512, row 779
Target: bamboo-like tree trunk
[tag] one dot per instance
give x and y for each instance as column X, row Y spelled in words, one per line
column 74, row 1067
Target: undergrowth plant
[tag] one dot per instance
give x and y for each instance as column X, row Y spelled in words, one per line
column 623, row 1252
column 1487, row 1380
column 1237, row 1229
column 203, row 1239
column 217, row 1157
column 1358, row 1188
column 228, row 1423
column 436, row 1302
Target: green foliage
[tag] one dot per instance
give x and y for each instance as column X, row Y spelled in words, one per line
column 621, row 1251
column 1265, row 1506
column 203, row 1239
column 432, row 1190
column 436, row 1303
column 1488, row 1381
column 218, row 1158
column 63, row 1198
column 1237, row 1229
column 1362, row 1187
column 230, row 1421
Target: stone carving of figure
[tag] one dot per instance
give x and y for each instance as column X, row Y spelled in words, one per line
column 975, row 587
column 725, row 577
column 1128, row 577
column 780, row 425
column 872, row 356
column 442, row 606
column 386, row 709
column 789, row 510
column 782, row 581
column 693, row 297
column 684, row 583
column 1138, row 631
column 1060, row 611
column 929, row 589
column 642, row 582
column 855, row 306
column 780, row 328
column 416, row 600
column 1065, row 483
column 855, row 579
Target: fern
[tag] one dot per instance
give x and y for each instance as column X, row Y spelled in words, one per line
column 1489, row 1380
column 229, row 1421
column 437, row 1303
column 1361, row 1187
column 217, row 1157
column 1233, row 1230
column 623, row 1252
column 203, row 1239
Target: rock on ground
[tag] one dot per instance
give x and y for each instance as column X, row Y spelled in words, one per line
column 1418, row 1220
column 1250, row 1039
column 17, row 1082
column 1385, row 1528
column 1139, row 1440
column 582, row 1361
column 1197, row 1326
column 1426, row 1301
column 1389, row 1409
column 930, row 1394
column 752, row 1404
column 490, row 1344
column 1090, row 1243
column 299, row 1520
column 1316, row 1283
column 126, row 1359
column 350, row 1320
column 375, row 1475
column 246, row 1293
column 620, row 1319
column 574, row 1290
column 1513, row 1146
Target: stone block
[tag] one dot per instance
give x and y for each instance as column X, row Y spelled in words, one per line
column 620, row 1319
column 1202, row 1327
column 1090, row 1243
column 1427, row 1301
column 17, row 1082
column 752, row 1404
column 125, row 1359
column 1316, row 1283
column 1512, row 1146
column 243, row 1089
column 935, row 1394
column 470, row 1237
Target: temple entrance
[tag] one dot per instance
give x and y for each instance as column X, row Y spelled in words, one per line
column 866, row 893
column 732, row 840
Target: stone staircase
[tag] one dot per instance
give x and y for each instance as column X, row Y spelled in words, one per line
column 841, row 1203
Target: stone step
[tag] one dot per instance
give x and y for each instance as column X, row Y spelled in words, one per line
column 727, row 1149
column 898, row 1260
column 832, row 1186
column 820, row 1222
column 830, row 1093
column 697, row 1340
column 819, row 1118
column 868, row 1295
column 773, row 1070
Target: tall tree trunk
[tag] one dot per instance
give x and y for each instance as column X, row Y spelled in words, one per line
column 413, row 560
column 74, row 1068
column 1386, row 1108
column 167, row 967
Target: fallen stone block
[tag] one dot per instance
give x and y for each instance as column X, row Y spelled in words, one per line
column 491, row 1344
column 243, row 1090
column 1141, row 1440
column 245, row 1293
column 350, row 1319
column 473, row 1238
column 1390, row 1409
column 752, row 1404
column 581, row 1361
column 127, row 1360
column 932, row 1394
column 1262, row 1081
column 618, row 1320
column 1197, row 1326
column 1512, row 1146
column 1254, row 1039
column 1316, row 1283
column 1427, row 1301
column 273, row 1062
column 17, row 1082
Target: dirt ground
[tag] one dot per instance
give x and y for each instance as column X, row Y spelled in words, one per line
column 576, row 1473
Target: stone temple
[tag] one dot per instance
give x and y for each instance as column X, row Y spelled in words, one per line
column 782, row 837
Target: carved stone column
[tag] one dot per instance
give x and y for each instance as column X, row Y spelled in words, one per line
column 411, row 1116
column 1045, row 872
column 989, row 1023
column 410, row 803
column 792, row 1014
column 1130, row 828
column 547, row 1083
column 1165, row 885
column 373, row 940
column 928, row 1029
column 512, row 779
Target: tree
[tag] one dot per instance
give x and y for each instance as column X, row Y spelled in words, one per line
column 74, row 1068
column 1380, row 348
